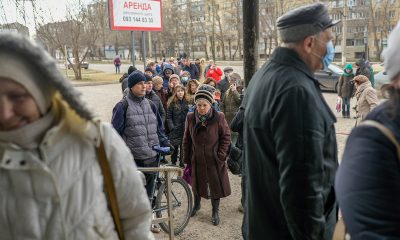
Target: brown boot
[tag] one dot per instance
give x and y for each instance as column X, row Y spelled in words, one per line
column 215, row 209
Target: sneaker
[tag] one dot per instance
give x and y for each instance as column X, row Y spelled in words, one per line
column 155, row 228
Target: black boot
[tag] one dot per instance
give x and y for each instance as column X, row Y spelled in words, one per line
column 215, row 209
column 196, row 206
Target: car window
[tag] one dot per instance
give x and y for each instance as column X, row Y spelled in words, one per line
column 335, row 69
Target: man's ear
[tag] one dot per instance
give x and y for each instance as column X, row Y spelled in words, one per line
column 308, row 44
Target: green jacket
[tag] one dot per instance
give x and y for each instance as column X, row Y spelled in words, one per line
column 290, row 153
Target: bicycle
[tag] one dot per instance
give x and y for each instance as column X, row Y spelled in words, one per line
column 182, row 199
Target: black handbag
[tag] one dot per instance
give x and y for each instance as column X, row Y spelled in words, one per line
column 235, row 160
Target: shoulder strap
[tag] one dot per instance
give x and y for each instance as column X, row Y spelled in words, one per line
column 110, row 189
column 386, row 131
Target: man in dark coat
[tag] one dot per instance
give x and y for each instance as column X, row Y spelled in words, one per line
column 191, row 68
column 224, row 84
column 290, row 145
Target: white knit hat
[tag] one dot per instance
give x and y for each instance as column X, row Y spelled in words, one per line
column 14, row 67
column 45, row 75
column 392, row 53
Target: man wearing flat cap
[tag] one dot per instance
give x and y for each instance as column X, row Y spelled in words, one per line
column 290, row 144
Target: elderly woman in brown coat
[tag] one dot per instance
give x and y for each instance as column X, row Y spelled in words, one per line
column 205, row 146
column 366, row 97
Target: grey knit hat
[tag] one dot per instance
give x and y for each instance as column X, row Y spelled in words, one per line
column 45, row 72
column 391, row 54
column 204, row 95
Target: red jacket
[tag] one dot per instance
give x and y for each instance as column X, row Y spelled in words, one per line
column 215, row 73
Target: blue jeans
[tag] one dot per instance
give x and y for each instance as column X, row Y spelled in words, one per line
column 117, row 68
column 346, row 106
column 150, row 176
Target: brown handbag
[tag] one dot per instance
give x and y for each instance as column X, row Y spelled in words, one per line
column 340, row 228
column 109, row 189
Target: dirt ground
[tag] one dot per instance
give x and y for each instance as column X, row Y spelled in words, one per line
column 103, row 98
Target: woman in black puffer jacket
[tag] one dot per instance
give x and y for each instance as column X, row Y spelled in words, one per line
column 176, row 116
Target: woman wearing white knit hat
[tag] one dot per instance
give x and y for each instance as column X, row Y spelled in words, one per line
column 55, row 180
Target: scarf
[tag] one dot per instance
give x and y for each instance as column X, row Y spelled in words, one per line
column 30, row 135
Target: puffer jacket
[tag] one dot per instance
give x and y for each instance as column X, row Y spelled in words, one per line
column 176, row 116
column 57, row 191
column 366, row 99
column 140, row 133
column 230, row 105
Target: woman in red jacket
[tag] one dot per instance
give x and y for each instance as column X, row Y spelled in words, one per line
column 214, row 72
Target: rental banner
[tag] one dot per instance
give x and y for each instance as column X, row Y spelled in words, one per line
column 135, row 15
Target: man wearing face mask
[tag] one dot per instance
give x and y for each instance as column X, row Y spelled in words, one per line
column 290, row 149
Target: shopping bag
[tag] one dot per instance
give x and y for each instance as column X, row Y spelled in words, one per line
column 339, row 104
column 187, row 174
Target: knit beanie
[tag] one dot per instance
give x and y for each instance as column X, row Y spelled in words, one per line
column 148, row 69
column 349, row 67
column 205, row 95
column 391, row 54
column 135, row 77
column 14, row 67
column 174, row 76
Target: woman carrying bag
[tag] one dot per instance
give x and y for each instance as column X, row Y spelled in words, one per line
column 205, row 147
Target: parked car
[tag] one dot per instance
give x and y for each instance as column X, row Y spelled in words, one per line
column 381, row 79
column 329, row 78
column 84, row 64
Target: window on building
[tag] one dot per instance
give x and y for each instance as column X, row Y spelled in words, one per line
column 351, row 3
column 350, row 42
column 392, row 14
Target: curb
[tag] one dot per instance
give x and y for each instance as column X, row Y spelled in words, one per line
column 86, row 84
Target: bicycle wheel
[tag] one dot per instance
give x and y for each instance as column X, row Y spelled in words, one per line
column 181, row 205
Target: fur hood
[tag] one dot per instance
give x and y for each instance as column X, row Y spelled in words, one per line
column 45, row 65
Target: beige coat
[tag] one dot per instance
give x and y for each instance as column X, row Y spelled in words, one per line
column 366, row 100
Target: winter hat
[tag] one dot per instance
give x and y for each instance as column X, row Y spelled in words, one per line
column 42, row 65
column 208, row 88
column 391, row 54
column 14, row 67
column 360, row 79
column 174, row 76
column 131, row 69
column 136, row 77
column 228, row 69
column 205, row 95
column 349, row 67
column 148, row 69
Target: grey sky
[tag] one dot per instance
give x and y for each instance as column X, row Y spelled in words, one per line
column 46, row 11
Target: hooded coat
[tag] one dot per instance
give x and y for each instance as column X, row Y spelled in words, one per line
column 206, row 147
column 56, row 191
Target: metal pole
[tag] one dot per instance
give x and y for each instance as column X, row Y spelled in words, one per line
column 250, row 38
column 150, row 46
column 344, row 32
column 144, row 50
column 133, row 48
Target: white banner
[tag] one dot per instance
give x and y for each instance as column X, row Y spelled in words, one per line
column 135, row 15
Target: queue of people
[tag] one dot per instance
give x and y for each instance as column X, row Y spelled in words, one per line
column 56, row 158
